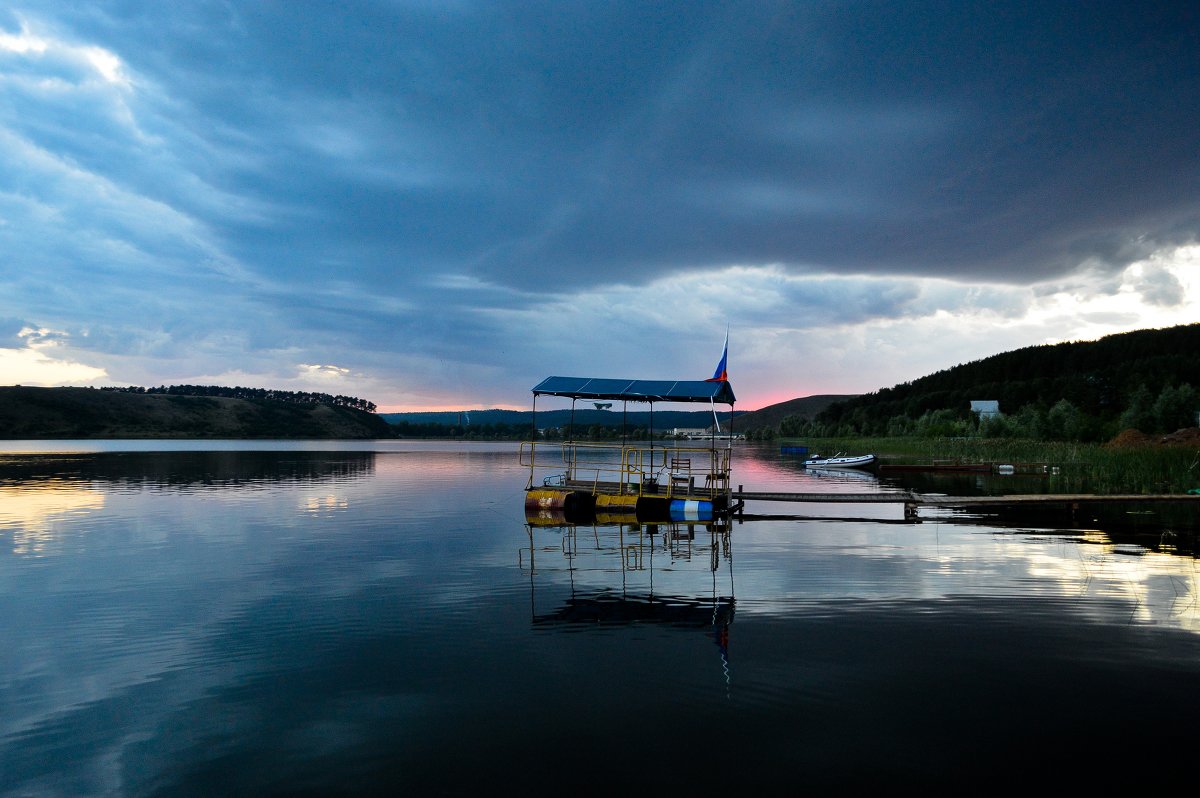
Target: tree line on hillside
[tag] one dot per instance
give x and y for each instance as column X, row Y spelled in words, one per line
column 1084, row 391
column 1075, row 391
column 294, row 397
column 1173, row 408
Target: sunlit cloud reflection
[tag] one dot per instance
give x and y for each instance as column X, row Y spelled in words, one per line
column 32, row 515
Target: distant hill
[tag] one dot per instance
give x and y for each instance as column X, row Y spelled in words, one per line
column 584, row 417
column 806, row 408
column 1120, row 379
column 27, row 412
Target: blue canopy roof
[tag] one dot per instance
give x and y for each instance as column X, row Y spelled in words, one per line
column 637, row 390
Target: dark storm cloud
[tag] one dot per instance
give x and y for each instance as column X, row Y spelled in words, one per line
column 587, row 143
column 943, row 139
column 335, row 182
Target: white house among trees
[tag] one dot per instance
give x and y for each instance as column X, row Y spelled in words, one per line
column 985, row 408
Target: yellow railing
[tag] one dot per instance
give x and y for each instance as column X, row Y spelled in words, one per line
column 663, row 470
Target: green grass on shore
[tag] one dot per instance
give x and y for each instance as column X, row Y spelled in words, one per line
column 1087, row 468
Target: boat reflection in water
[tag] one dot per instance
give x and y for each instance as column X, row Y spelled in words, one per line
column 617, row 570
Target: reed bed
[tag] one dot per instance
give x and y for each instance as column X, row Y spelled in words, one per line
column 1082, row 467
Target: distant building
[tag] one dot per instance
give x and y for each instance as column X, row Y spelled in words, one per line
column 697, row 434
column 985, row 408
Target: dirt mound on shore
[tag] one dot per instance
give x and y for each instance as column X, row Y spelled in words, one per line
column 1188, row 436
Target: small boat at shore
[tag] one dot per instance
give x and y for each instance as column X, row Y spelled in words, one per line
column 840, row 461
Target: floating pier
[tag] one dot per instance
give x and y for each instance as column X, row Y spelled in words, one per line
column 914, row 501
column 661, row 483
column 647, row 480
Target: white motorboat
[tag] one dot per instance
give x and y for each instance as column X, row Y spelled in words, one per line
column 840, row 461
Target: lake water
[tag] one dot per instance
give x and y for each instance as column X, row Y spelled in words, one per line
column 283, row 618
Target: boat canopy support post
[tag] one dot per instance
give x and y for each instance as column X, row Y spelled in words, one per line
column 652, row 435
column 533, row 420
column 533, row 435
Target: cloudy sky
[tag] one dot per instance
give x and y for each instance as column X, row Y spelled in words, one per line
column 437, row 203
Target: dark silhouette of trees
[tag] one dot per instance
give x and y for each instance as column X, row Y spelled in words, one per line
column 295, row 397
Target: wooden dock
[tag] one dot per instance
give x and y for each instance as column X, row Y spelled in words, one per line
column 913, row 501
column 937, row 500
column 825, row 498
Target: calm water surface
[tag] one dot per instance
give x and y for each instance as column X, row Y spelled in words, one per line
column 250, row 618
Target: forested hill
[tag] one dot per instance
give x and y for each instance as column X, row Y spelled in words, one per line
column 806, row 407
column 27, row 412
column 1140, row 379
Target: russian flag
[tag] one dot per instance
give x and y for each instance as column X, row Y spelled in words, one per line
column 722, row 373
